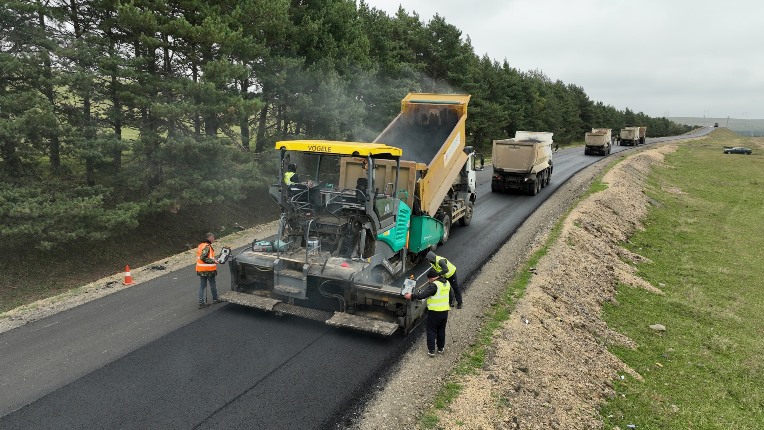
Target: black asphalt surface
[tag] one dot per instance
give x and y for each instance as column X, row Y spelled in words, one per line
column 145, row 357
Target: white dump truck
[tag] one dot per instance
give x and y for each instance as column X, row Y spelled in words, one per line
column 598, row 141
column 523, row 163
column 630, row 136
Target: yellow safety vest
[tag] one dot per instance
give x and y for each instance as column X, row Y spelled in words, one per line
column 439, row 302
column 288, row 178
column 451, row 267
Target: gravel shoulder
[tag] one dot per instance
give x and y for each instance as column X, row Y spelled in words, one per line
column 549, row 366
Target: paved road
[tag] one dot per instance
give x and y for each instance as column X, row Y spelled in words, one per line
column 145, row 357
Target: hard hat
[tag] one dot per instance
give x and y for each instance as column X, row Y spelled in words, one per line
column 430, row 256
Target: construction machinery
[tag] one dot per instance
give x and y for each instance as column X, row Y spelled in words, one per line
column 630, row 136
column 642, row 135
column 598, row 141
column 350, row 235
column 523, row 162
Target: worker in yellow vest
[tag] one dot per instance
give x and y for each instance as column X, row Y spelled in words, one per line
column 206, row 269
column 448, row 270
column 439, row 296
column 290, row 176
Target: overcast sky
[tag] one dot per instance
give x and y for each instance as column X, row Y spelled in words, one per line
column 661, row 57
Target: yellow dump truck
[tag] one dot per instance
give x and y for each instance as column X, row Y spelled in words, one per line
column 598, row 141
column 523, row 162
column 361, row 217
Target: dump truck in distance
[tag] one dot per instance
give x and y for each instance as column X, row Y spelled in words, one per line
column 630, row 136
column 642, row 135
column 522, row 163
column 368, row 213
column 598, row 141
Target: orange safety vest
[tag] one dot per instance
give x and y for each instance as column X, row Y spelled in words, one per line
column 201, row 266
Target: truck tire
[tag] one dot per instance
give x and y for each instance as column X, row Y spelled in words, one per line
column 467, row 218
column 446, row 229
column 494, row 187
column 533, row 187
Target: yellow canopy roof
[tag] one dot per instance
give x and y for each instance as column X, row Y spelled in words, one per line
column 354, row 149
column 430, row 98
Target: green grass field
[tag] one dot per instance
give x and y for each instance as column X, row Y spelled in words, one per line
column 704, row 235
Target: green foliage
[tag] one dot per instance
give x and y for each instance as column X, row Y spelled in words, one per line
column 43, row 216
column 156, row 105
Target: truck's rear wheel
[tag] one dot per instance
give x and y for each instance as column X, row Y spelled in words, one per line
column 446, row 229
column 467, row 218
column 494, row 187
column 533, row 187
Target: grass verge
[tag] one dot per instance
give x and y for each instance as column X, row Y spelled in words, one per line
column 703, row 236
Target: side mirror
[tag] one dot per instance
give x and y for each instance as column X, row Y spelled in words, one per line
column 482, row 162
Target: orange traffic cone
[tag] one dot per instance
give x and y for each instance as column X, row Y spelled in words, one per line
column 128, row 277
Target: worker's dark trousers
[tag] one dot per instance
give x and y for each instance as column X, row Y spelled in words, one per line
column 436, row 329
column 455, row 286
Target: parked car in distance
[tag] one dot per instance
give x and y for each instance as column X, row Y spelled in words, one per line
column 737, row 150
column 716, row 124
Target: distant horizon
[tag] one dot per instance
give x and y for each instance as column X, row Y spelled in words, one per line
column 741, row 125
column 715, row 118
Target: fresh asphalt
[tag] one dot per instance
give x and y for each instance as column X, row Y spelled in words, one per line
column 146, row 357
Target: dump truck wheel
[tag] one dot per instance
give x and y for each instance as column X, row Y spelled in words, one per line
column 533, row 187
column 494, row 187
column 467, row 218
column 446, row 229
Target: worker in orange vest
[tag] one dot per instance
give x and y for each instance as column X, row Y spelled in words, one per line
column 206, row 269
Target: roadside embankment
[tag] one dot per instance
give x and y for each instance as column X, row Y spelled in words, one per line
column 547, row 363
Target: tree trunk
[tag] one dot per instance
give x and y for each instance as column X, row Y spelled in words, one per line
column 261, row 122
column 197, row 119
column 167, row 70
column 90, row 137
column 54, row 145
column 117, row 112
column 244, row 122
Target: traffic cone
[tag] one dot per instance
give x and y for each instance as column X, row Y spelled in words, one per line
column 128, row 277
